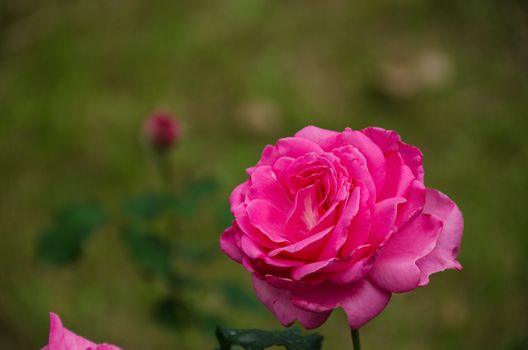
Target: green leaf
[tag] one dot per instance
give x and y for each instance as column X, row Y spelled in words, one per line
column 61, row 243
column 149, row 252
column 255, row 339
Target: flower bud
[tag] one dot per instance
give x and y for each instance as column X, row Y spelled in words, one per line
column 161, row 130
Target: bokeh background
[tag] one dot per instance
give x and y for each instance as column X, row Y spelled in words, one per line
column 77, row 79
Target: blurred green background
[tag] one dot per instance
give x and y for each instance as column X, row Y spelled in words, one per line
column 77, row 78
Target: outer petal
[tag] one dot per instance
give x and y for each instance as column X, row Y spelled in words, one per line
column 293, row 147
column 250, row 248
column 362, row 301
column 318, row 135
column 395, row 267
column 238, row 196
column 389, row 140
column 62, row 339
column 353, row 268
column 230, row 243
column 278, row 301
column 443, row 256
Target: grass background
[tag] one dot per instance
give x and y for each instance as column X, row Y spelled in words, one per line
column 78, row 77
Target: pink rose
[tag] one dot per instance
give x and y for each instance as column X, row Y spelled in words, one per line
column 329, row 219
column 161, row 130
column 62, row 339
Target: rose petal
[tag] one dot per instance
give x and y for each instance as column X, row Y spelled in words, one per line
column 383, row 219
column 264, row 185
column 444, row 254
column 298, row 273
column 268, row 218
column 372, row 153
column 395, row 267
column 290, row 147
column 414, row 204
column 238, row 196
column 359, row 229
column 302, row 216
column 341, row 271
column 399, row 177
column 278, row 262
column 280, row 282
column 339, row 234
column 389, row 140
column 306, row 248
column 414, row 159
column 61, row 338
column 262, row 238
column 320, row 136
column 250, row 248
column 230, row 243
column 356, row 166
column 279, row 303
column 357, row 271
column 362, row 301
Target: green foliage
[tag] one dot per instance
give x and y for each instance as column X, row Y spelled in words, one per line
column 194, row 191
column 197, row 254
column 223, row 214
column 256, row 339
column 150, row 252
column 202, row 187
column 61, row 243
column 71, row 112
column 149, row 206
column 172, row 312
column 238, row 297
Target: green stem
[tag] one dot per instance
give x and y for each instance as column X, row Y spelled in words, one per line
column 355, row 338
column 163, row 172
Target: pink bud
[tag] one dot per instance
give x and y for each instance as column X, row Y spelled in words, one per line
column 161, row 130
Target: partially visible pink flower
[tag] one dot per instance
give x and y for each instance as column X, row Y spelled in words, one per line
column 161, row 130
column 61, row 338
column 332, row 220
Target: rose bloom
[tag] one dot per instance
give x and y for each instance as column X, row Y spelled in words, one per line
column 62, row 339
column 161, row 130
column 339, row 219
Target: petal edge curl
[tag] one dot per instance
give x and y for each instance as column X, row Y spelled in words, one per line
column 362, row 301
column 444, row 254
column 395, row 267
column 279, row 303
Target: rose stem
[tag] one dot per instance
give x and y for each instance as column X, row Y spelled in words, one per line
column 355, row 338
